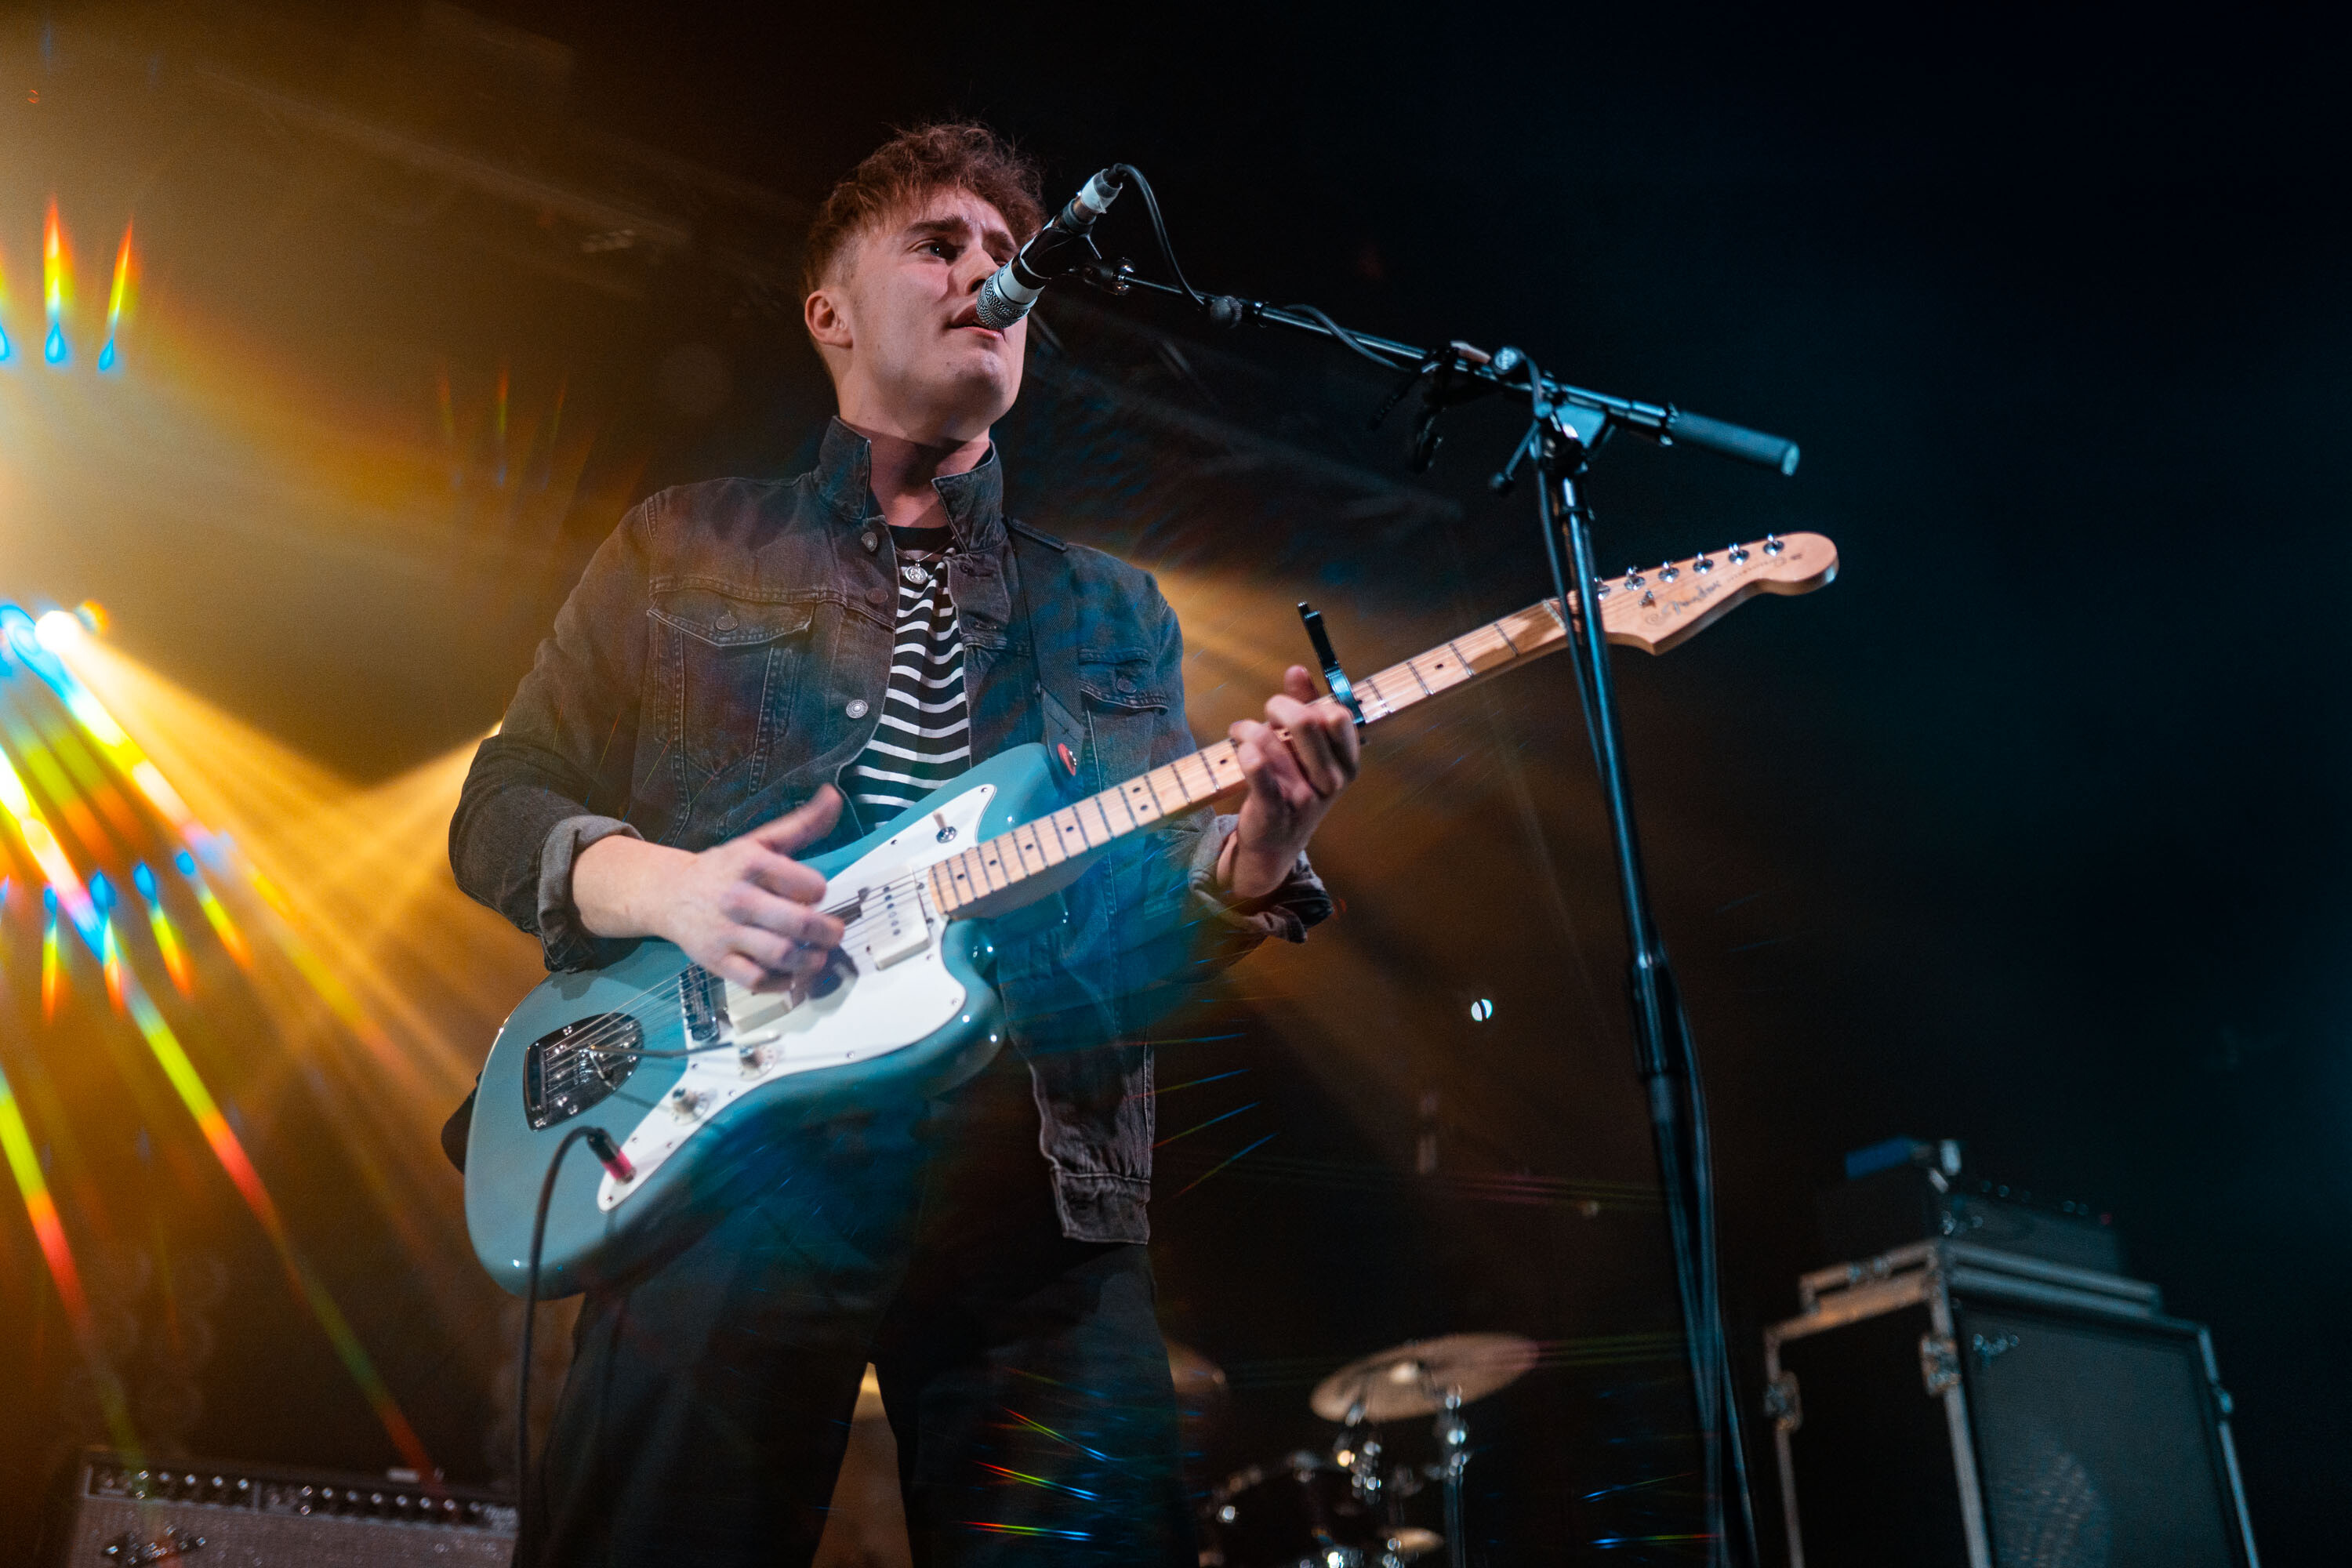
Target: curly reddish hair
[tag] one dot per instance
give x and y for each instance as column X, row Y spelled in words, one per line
column 915, row 164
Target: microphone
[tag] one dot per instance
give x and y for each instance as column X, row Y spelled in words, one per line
column 1013, row 290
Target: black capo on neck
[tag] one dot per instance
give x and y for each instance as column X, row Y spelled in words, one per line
column 1343, row 690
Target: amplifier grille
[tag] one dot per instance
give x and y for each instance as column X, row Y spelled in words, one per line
column 246, row 1516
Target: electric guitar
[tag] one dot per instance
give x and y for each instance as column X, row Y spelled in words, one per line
column 689, row 1074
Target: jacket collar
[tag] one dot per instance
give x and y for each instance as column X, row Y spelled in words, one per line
column 974, row 499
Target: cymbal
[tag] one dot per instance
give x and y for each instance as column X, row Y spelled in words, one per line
column 1412, row 1379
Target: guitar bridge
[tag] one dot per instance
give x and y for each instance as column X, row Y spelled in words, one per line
column 565, row 1072
column 702, row 1003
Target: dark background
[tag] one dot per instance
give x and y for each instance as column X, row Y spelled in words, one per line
column 2029, row 831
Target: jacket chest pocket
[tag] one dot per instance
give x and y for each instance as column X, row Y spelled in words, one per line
column 1126, row 713
column 732, row 667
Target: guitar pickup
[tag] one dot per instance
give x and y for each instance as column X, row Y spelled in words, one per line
column 892, row 926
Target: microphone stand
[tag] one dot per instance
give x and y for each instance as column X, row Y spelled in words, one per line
column 1665, row 1054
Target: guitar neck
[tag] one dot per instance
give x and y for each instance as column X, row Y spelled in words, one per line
column 1654, row 611
column 1215, row 771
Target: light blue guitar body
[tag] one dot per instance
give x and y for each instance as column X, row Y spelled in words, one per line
column 909, row 1014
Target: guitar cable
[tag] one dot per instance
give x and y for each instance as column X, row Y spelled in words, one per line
column 600, row 1144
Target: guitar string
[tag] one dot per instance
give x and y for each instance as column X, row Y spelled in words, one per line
column 1482, row 639
column 595, row 1042
column 627, row 1009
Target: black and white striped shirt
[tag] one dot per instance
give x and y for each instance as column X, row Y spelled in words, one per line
column 924, row 738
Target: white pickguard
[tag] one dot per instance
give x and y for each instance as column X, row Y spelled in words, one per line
column 901, row 992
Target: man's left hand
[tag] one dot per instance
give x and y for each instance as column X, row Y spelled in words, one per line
column 1296, row 761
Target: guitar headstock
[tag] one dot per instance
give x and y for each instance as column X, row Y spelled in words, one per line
column 1655, row 609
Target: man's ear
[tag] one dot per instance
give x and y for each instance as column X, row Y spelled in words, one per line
column 827, row 322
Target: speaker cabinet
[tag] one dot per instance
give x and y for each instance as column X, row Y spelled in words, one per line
column 220, row 1515
column 1945, row 1405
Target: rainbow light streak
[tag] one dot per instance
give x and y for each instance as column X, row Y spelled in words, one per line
column 190, row 1086
column 217, row 916
column 50, row 1231
column 64, row 886
column 1035, row 1425
column 1223, row 1164
column 1029, row 1481
column 53, row 974
column 106, row 360
column 4, row 348
column 1027, row 1530
column 122, row 984
column 112, row 956
column 1212, row 1121
column 39, row 644
column 167, row 939
column 53, row 286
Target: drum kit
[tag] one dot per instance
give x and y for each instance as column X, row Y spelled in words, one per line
column 1347, row 1508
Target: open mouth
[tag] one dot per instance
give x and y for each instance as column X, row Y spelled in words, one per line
column 971, row 319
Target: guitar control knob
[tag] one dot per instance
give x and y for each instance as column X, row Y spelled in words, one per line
column 687, row 1102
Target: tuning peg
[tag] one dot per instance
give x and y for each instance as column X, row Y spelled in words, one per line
column 1668, row 572
column 1738, row 554
column 1703, row 563
column 1632, row 576
column 1773, row 544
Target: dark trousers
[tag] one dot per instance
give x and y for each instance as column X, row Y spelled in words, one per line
column 1026, row 1380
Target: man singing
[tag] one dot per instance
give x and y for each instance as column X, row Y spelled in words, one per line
column 750, row 671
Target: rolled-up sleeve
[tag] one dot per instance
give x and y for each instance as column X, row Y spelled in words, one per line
column 555, row 777
column 1285, row 913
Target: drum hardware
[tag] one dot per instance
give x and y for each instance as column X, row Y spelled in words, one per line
column 1345, row 1508
column 1427, row 1377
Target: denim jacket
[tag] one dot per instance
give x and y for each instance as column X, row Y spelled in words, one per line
column 725, row 655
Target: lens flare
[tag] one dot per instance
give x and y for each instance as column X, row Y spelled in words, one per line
column 114, row 300
column 41, row 645
column 49, row 1233
column 167, row 939
column 53, row 285
column 53, row 974
column 91, row 913
column 64, row 886
column 229, row 1151
column 215, row 915
column 110, row 964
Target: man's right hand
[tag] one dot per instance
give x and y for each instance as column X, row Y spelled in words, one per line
column 745, row 910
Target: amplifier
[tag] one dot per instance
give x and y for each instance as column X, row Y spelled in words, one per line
column 113, row 1514
column 1944, row 1405
column 1904, row 1191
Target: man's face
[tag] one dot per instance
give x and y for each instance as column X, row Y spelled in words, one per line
column 898, row 323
